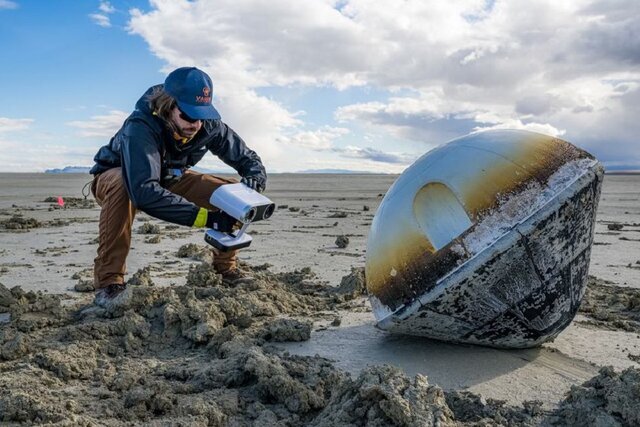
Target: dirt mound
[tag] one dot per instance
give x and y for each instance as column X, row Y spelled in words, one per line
column 18, row 222
column 383, row 395
column 611, row 307
column 149, row 228
column 72, row 202
column 473, row 409
column 353, row 285
column 84, row 285
column 608, row 399
column 141, row 277
column 200, row 355
column 188, row 354
column 195, row 252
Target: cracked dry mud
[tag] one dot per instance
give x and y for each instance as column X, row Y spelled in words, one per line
column 19, row 222
column 611, row 307
column 72, row 202
column 199, row 354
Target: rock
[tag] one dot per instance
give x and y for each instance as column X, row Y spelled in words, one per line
column 153, row 239
column 6, row 298
column 148, row 228
column 342, row 241
column 196, row 252
column 141, row 277
column 282, row 330
column 84, row 286
column 203, row 275
column 338, row 215
column 353, row 285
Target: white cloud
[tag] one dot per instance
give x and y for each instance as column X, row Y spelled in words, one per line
column 346, row 163
column 11, row 152
column 106, row 7
column 100, row 19
column 323, row 140
column 518, row 124
column 41, row 156
column 16, row 146
column 105, row 125
column 375, row 155
column 429, row 117
column 565, row 68
column 12, row 125
column 319, row 140
column 6, row 4
column 258, row 120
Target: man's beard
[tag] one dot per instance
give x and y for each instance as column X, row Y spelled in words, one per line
column 177, row 132
column 191, row 134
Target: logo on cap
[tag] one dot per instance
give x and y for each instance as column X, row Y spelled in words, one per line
column 206, row 99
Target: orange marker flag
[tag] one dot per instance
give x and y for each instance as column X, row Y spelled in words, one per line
column 60, row 201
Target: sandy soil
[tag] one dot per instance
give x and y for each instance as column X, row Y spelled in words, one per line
column 298, row 345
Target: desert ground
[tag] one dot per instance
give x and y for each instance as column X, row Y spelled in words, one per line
column 298, row 346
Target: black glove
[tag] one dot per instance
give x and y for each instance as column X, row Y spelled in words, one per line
column 220, row 221
column 254, row 183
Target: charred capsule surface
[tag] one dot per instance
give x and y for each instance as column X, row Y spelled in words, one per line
column 485, row 240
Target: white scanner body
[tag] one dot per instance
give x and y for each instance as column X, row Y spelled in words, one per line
column 244, row 204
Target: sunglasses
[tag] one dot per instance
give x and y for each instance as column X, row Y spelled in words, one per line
column 186, row 118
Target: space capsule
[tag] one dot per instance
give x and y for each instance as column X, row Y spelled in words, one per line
column 485, row 240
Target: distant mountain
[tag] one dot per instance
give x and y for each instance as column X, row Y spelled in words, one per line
column 214, row 171
column 85, row 169
column 622, row 172
column 70, row 169
column 343, row 171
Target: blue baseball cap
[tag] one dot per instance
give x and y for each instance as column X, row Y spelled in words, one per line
column 192, row 90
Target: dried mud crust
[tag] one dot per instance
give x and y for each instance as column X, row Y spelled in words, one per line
column 149, row 228
column 198, row 355
column 611, row 307
column 195, row 252
column 608, row 399
column 72, row 202
column 18, row 222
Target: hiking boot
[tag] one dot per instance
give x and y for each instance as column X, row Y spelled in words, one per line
column 106, row 295
column 235, row 276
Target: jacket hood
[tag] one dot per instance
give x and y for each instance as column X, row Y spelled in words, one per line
column 143, row 103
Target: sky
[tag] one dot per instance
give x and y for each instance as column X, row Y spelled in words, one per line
column 360, row 85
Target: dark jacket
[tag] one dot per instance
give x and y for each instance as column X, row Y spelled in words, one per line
column 146, row 150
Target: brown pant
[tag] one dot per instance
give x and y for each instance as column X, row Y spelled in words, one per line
column 116, row 220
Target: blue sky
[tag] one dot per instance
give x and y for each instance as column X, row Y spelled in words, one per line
column 323, row 84
column 59, row 66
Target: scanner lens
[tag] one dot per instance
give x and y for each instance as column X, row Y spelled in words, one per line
column 269, row 211
column 251, row 214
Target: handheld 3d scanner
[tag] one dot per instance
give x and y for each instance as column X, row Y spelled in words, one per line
column 245, row 205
